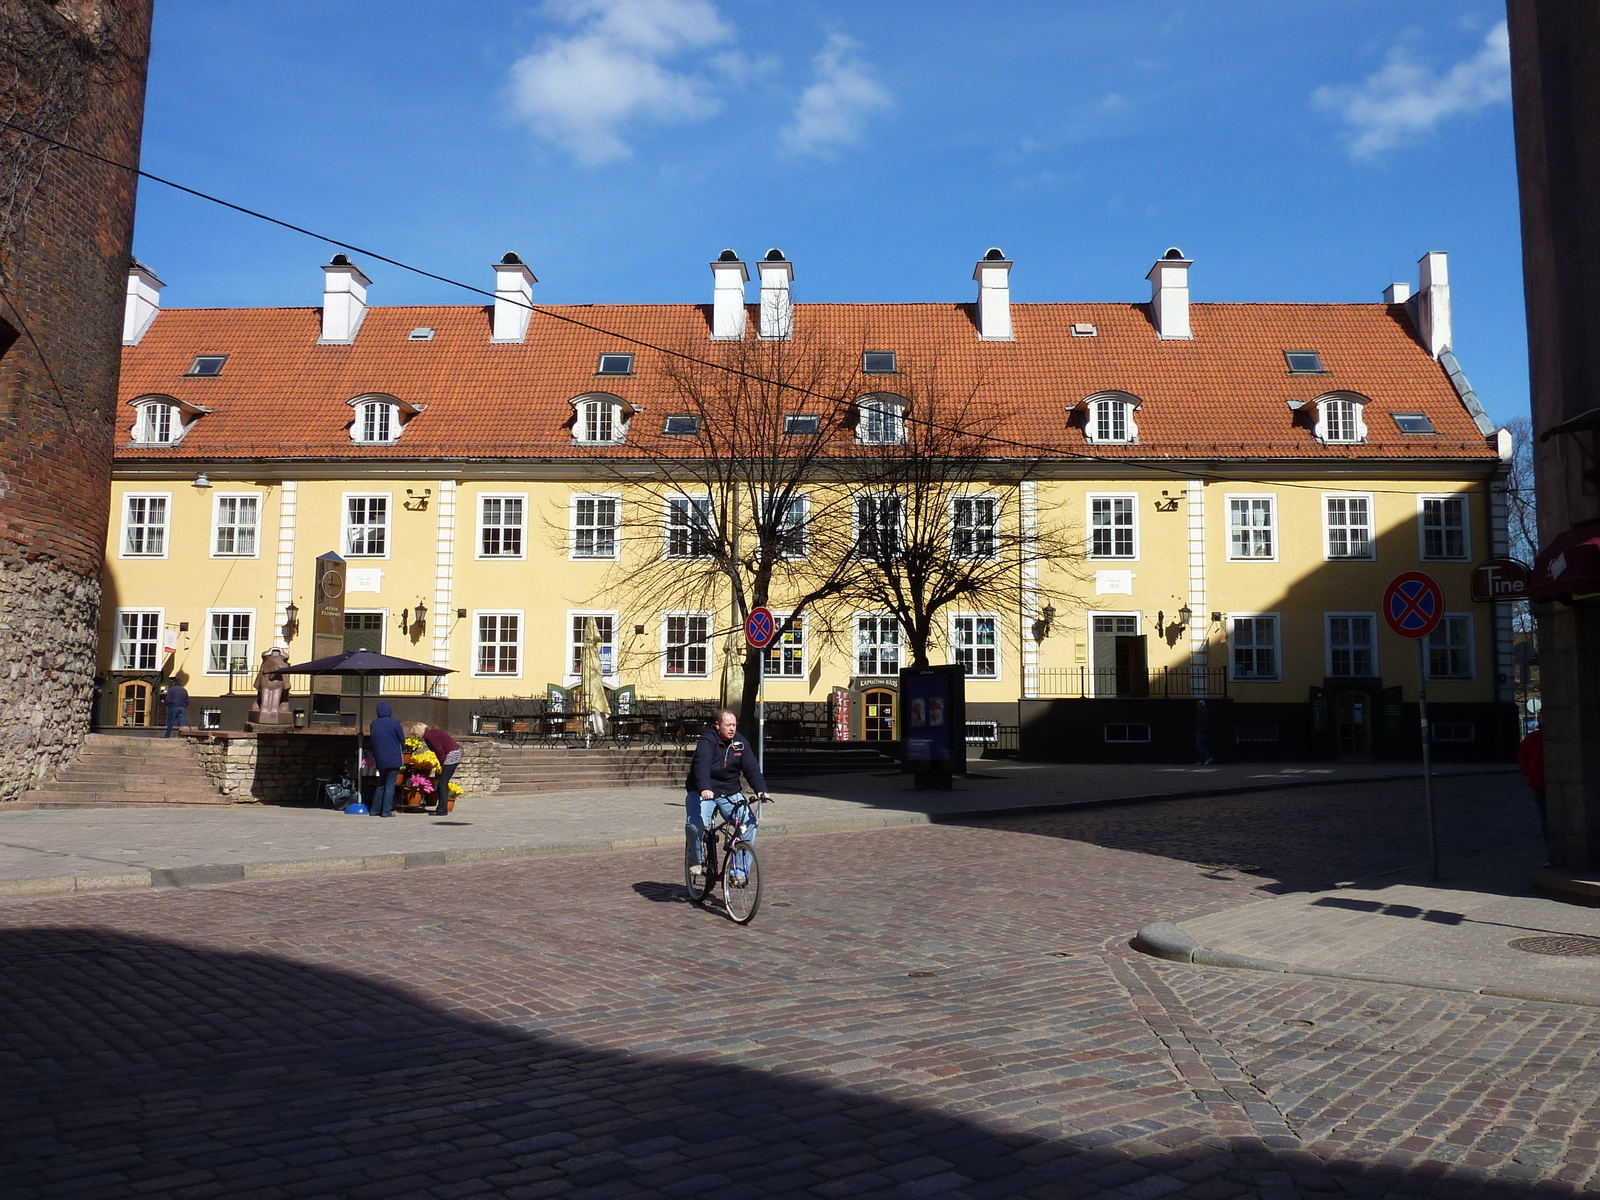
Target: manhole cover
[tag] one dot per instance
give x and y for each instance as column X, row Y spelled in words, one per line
column 1571, row 945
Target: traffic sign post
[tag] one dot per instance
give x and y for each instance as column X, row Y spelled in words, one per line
column 759, row 630
column 1413, row 606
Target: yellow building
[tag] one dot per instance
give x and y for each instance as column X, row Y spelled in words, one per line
column 1239, row 482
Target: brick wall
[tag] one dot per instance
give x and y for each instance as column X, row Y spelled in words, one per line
column 283, row 768
column 74, row 70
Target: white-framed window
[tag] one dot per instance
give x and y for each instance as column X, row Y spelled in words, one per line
column 1252, row 527
column 1347, row 526
column 1111, row 421
column 877, row 644
column 377, row 422
column 1450, row 648
column 139, row 639
column 1340, row 419
column 974, row 644
column 786, row 656
column 366, row 526
column 1113, row 526
column 791, row 527
column 690, row 530
column 606, row 624
column 882, row 422
column 686, row 645
column 1444, row 529
column 144, row 524
column 158, row 423
column 229, row 641
column 595, row 521
column 600, row 421
column 878, row 518
column 235, row 522
column 497, row 644
column 501, row 525
column 974, row 527
column 1253, row 640
column 1352, row 643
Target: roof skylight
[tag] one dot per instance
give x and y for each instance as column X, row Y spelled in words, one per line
column 1304, row 362
column 208, row 365
column 420, row 334
column 681, row 425
column 1414, row 423
column 615, row 364
column 801, row 424
column 878, row 362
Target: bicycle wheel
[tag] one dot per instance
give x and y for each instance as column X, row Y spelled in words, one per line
column 741, row 884
column 700, row 888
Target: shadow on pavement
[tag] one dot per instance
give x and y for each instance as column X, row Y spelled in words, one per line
column 139, row 1066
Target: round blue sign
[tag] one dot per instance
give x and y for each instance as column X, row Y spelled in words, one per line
column 759, row 628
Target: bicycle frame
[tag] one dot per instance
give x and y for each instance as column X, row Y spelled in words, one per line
column 725, row 827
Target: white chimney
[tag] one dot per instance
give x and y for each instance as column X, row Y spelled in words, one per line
column 1432, row 302
column 513, row 295
column 727, row 307
column 993, row 274
column 144, row 302
column 1169, row 295
column 1397, row 293
column 777, row 307
column 344, row 300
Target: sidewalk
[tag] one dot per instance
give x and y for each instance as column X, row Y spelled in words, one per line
column 1455, row 934
column 45, row 851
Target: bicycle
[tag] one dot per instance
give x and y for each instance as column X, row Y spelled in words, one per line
column 730, row 860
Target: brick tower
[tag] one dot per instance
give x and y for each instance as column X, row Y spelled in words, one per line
column 73, row 70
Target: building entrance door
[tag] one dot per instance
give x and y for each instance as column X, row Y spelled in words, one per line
column 877, row 716
column 133, row 703
column 363, row 631
column 1353, row 724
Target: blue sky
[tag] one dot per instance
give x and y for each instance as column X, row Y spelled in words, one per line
column 1296, row 151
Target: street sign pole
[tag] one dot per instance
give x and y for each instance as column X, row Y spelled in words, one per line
column 1427, row 759
column 1413, row 606
column 760, row 631
column 761, row 711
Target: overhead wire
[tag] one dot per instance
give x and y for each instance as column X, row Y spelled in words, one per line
column 1034, row 449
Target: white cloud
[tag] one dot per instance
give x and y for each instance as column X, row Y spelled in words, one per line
column 1405, row 99
column 579, row 91
column 833, row 111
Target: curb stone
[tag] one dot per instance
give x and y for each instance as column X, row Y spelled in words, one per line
column 408, row 860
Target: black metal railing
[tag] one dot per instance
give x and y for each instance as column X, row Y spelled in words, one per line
column 242, row 681
column 1113, row 683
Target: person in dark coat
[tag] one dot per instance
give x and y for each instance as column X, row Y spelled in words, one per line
column 719, row 758
column 387, row 737
column 177, row 698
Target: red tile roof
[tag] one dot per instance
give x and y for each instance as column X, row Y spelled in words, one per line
column 1223, row 394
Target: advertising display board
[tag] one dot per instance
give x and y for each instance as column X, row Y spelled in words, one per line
column 327, row 620
column 933, row 701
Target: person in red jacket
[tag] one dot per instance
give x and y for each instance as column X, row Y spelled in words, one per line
column 1530, row 761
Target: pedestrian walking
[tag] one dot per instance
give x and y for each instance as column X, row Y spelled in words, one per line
column 1530, row 761
column 177, row 698
column 448, row 751
column 1202, row 734
column 387, row 737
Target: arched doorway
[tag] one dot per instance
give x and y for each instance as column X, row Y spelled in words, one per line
column 1353, row 724
column 134, row 703
column 877, row 716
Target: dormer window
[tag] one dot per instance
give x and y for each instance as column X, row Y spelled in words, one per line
column 882, row 421
column 1110, row 419
column 380, row 419
column 602, row 420
column 207, row 366
column 163, row 420
column 615, row 364
column 1339, row 419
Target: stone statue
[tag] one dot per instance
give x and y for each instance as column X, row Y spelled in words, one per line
column 272, row 691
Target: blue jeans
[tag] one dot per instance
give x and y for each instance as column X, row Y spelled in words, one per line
column 697, row 818
column 383, row 798
column 175, row 716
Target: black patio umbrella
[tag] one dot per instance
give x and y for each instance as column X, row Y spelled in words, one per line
column 363, row 663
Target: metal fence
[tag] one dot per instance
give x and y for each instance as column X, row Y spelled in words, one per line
column 1111, row 683
column 242, row 681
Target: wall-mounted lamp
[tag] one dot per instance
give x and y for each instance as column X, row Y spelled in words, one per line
column 1185, row 615
column 1046, row 622
column 200, row 481
column 291, row 621
column 421, row 613
column 414, row 621
column 1216, row 618
column 461, row 614
column 416, row 503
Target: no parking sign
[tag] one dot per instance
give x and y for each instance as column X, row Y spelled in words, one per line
column 1413, row 604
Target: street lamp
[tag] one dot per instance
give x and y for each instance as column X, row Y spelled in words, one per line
column 1185, row 615
column 422, row 616
column 291, row 621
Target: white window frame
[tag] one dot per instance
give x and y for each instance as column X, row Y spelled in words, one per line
column 666, row 624
column 1276, row 647
column 249, row 655
column 358, row 427
column 589, row 406
column 478, row 643
column 175, row 427
column 127, row 525
column 1358, row 419
column 521, row 527
column 1274, row 532
column 1088, row 511
column 388, row 524
column 781, row 647
column 803, row 501
column 881, row 412
column 1328, row 527
column 877, row 644
column 160, row 615
column 1130, row 428
column 575, row 645
column 1327, row 644
column 217, row 525
column 956, row 646
column 573, row 528
column 993, row 527
column 1466, row 527
column 1471, row 675
column 856, row 526
column 667, row 526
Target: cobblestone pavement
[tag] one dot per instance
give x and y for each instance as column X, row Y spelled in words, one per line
column 920, row 1012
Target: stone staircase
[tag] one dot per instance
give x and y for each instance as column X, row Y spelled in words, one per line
column 115, row 771
column 532, row 770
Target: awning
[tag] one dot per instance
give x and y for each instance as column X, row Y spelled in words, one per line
column 1568, row 569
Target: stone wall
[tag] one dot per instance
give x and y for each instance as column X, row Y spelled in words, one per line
column 282, row 768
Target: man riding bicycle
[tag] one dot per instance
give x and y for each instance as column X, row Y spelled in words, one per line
column 723, row 752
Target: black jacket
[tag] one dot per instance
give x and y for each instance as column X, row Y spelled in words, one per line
column 717, row 764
